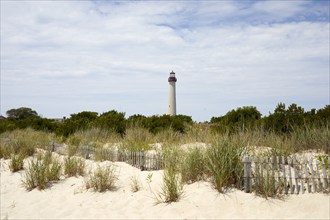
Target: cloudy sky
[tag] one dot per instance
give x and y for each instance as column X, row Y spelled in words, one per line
column 65, row 57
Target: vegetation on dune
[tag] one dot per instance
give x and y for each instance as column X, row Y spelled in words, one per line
column 42, row 171
column 102, row 179
column 224, row 164
column 74, row 166
column 172, row 188
column 227, row 138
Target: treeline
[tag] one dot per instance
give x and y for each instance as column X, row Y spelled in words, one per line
column 283, row 120
column 112, row 120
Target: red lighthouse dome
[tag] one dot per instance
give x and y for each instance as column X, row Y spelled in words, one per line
column 172, row 77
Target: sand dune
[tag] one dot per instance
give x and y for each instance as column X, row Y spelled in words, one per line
column 69, row 199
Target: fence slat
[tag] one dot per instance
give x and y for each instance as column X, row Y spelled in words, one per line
column 312, row 173
column 290, row 176
column 256, row 171
column 272, row 159
column 320, row 187
column 278, row 168
column 295, row 175
column 325, row 179
column 307, row 176
column 284, row 176
column 247, row 169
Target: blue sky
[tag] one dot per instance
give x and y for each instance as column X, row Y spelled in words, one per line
column 65, row 57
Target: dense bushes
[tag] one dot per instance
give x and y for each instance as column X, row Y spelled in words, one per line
column 112, row 121
column 283, row 120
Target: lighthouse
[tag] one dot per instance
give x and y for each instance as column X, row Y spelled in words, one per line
column 171, row 95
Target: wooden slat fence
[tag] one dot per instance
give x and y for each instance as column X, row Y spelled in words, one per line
column 139, row 159
column 286, row 174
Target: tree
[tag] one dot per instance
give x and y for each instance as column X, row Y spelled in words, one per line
column 112, row 120
column 22, row 113
column 238, row 119
column 79, row 121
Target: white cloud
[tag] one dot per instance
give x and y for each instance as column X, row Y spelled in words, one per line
column 102, row 56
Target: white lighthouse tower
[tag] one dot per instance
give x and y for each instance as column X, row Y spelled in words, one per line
column 172, row 96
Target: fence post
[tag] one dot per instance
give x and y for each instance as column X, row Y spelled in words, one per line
column 142, row 166
column 247, row 171
column 53, row 146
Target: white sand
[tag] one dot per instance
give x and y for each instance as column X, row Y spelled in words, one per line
column 68, row 199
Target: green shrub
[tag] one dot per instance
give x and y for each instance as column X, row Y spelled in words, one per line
column 16, row 162
column 74, row 166
column 224, row 165
column 102, row 179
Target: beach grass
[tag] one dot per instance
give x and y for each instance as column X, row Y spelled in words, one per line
column 16, row 162
column 224, row 164
column 192, row 166
column 74, row 166
column 135, row 184
column 102, row 179
column 41, row 172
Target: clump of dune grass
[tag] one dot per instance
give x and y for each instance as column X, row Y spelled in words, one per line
column 5, row 150
column 16, row 162
column 172, row 188
column 135, row 184
column 74, row 166
column 224, row 165
column 102, row 179
column 41, row 172
column 192, row 166
column 35, row 175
